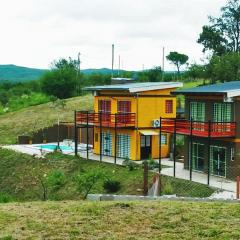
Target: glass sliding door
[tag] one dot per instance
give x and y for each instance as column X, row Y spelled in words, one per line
column 198, row 157
column 218, row 161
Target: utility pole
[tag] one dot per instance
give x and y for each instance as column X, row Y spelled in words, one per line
column 119, row 62
column 78, row 73
column 163, row 62
column 112, row 58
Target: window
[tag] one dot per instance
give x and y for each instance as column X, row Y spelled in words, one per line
column 197, row 111
column 163, row 139
column 169, row 106
column 104, row 107
column 222, row 112
column 123, row 145
column 124, row 107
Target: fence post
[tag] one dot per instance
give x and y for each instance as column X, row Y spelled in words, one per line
column 238, row 187
column 209, row 152
column 100, row 118
column 115, row 145
column 160, row 146
column 145, row 178
column 174, row 148
column 75, row 133
column 191, row 149
column 87, row 138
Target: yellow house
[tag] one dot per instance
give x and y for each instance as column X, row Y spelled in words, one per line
column 126, row 119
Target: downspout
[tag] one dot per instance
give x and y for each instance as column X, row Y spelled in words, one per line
column 137, row 94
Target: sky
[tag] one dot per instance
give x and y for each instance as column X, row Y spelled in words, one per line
column 33, row 33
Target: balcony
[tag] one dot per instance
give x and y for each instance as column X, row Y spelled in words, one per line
column 200, row 129
column 119, row 120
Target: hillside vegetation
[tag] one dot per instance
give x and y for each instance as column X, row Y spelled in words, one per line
column 37, row 117
column 15, row 73
column 119, row 220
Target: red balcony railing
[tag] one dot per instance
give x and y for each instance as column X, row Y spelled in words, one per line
column 201, row 129
column 106, row 119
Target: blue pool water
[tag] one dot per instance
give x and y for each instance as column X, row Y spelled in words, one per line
column 53, row 147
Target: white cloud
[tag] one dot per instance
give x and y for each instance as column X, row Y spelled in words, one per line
column 35, row 32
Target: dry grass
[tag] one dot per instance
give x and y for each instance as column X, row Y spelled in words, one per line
column 33, row 118
column 115, row 220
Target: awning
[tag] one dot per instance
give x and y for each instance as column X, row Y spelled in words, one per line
column 149, row 132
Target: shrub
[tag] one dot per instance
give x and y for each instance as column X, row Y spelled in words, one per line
column 152, row 164
column 56, row 179
column 86, row 181
column 111, row 186
column 130, row 164
column 5, row 198
column 167, row 188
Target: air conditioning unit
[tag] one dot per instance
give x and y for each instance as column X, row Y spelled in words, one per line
column 156, row 123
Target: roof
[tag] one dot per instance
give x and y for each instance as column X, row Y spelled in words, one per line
column 123, row 79
column 136, row 87
column 229, row 89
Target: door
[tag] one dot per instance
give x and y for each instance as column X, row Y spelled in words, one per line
column 218, row 161
column 107, row 143
column 146, row 148
column 104, row 107
column 197, row 156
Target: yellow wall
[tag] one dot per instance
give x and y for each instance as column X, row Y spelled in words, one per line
column 147, row 109
column 135, row 143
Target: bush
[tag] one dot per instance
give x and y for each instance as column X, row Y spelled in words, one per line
column 152, row 164
column 111, row 186
column 56, row 179
column 130, row 164
column 5, row 198
column 167, row 188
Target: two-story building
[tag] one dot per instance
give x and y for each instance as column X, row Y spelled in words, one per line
column 212, row 142
column 126, row 119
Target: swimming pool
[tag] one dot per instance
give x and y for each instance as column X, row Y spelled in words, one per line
column 54, row 147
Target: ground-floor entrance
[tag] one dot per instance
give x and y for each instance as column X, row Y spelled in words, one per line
column 218, row 161
column 146, row 146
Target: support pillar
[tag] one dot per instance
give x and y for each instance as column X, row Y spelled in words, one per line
column 115, row 144
column 100, row 119
column 174, row 148
column 87, row 138
column 191, row 149
column 209, row 154
column 75, row 134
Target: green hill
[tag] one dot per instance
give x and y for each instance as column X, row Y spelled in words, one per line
column 26, row 120
column 15, row 73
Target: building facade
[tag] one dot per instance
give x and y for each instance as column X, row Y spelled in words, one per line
column 126, row 119
column 212, row 135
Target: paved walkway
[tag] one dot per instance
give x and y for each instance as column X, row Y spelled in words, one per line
column 217, row 182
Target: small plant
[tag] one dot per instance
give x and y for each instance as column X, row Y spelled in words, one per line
column 56, row 179
column 167, row 189
column 5, row 198
column 86, row 181
column 111, row 186
column 152, row 164
column 130, row 164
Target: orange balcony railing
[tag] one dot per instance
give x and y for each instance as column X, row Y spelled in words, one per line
column 106, row 119
column 197, row 128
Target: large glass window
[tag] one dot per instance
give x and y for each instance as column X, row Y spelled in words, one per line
column 222, row 112
column 123, row 145
column 198, row 156
column 197, row 111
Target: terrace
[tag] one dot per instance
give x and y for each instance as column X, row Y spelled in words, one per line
column 121, row 120
column 197, row 128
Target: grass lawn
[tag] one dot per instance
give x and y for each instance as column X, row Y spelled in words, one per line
column 19, row 178
column 119, row 220
column 37, row 117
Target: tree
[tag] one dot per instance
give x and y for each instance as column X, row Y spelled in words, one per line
column 222, row 35
column 61, row 80
column 151, row 75
column 196, row 71
column 224, row 68
column 178, row 59
column 86, row 181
